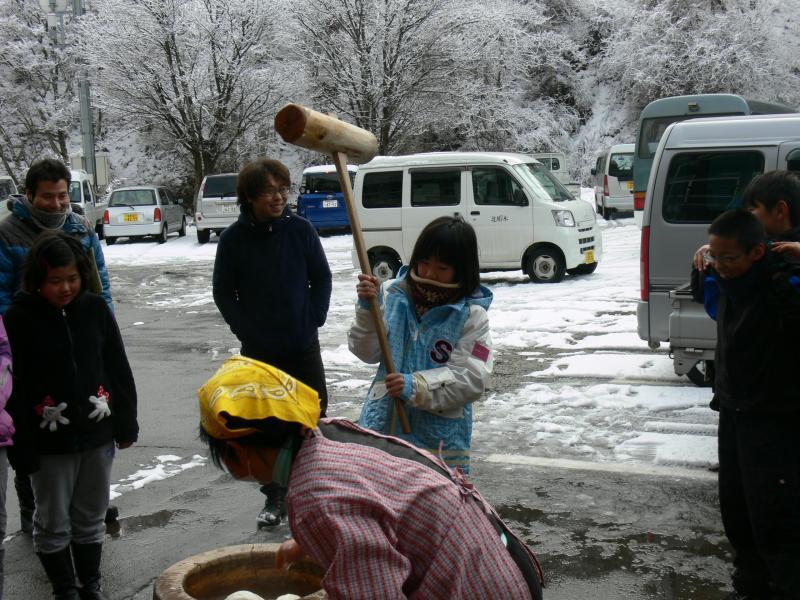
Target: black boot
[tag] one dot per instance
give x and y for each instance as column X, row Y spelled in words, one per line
column 87, row 564
column 58, row 566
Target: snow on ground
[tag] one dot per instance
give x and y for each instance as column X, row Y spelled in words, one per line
column 572, row 378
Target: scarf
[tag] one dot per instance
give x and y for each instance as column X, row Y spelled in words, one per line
column 44, row 219
column 427, row 293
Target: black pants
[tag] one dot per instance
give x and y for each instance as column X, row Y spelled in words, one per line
column 305, row 365
column 759, row 497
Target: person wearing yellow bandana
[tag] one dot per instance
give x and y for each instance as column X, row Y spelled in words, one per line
column 382, row 518
column 438, row 328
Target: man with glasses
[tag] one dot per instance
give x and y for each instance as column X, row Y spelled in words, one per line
column 272, row 284
column 754, row 295
column 45, row 207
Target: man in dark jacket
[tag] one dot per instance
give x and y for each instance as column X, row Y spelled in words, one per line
column 45, row 207
column 272, row 284
column 757, row 308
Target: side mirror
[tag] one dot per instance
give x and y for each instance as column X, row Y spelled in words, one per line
column 593, row 171
column 520, row 199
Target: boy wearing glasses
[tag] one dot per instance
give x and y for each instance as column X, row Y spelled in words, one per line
column 757, row 309
column 272, row 284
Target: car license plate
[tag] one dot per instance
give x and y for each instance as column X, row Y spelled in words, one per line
column 229, row 209
column 330, row 203
column 589, row 256
column 630, row 185
column 131, row 218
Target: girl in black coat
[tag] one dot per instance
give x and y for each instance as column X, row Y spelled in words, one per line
column 73, row 398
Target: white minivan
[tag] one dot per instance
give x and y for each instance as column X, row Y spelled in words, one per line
column 85, row 201
column 613, row 180
column 700, row 169
column 522, row 215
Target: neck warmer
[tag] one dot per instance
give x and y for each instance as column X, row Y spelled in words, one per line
column 747, row 285
column 46, row 220
column 427, row 293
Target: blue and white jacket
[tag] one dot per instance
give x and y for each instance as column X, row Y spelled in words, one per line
column 17, row 234
column 447, row 359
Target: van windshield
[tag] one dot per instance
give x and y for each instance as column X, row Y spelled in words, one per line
column 621, row 166
column 6, row 188
column 75, row 192
column 132, row 198
column 542, row 182
column 219, row 187
column 652, row 130
column 323, row 183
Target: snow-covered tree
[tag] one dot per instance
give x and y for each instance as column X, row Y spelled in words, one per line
column 38, row 96
column 202, row 73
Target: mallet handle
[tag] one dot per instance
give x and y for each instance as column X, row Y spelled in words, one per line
column 340, row 160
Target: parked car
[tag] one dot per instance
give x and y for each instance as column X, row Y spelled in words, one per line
column 700, row 169
column 141, row 211
column 216, row 205
column 523, row 217
column 85, row 201
column 613, row 180
column 321, row 200
column 8, row 189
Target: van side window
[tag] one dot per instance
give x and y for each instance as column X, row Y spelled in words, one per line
column 436, row 188
column 793, row 161
column 492, row 186
column 700, row 186
column 555, row 165
column 382, row 190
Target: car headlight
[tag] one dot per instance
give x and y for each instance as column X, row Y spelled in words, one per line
column 564, row 218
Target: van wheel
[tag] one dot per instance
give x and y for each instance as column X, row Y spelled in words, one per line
column 110, row 241
column 203, row 235
column 162, row 237
column 384, row 267
column 546, row 265
column 607, row 212
column 98, row 229
column 583, row 269
column 702, row 374
column 182, row 230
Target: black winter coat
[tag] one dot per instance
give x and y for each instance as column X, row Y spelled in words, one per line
column 66, row 356
column 272, row 283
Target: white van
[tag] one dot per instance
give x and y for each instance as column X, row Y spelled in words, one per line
column 216, row 205
column 522, row 215
column 700, row 169
column 84, row 199
column 613, row 180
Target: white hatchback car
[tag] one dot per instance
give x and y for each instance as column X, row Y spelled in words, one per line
column 143, row 211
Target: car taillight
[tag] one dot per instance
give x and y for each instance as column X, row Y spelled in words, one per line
column 157, row 215
column 605, row 185
column 644, row 264
column 638, row 200
column 106, row 219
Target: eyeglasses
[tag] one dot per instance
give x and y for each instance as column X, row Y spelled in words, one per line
column 711, row 259
column 281, row 191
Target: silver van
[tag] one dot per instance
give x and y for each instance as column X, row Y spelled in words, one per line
column 700, row 170
column 216, row 206
column 613, row 180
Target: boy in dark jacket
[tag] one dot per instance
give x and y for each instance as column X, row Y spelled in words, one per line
column 272, row 284
column 757, row 309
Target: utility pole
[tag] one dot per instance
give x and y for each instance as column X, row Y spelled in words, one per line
column 56, row 9
column 87, row 124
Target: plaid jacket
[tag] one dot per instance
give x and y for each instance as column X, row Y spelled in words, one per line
column 387, row 527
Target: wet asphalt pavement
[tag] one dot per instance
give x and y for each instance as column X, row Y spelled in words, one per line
column 601, row 534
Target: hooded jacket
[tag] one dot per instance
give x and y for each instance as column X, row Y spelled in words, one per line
column 272, row 283
column 67, row 355
column 17, row 234
column 447, row 360
column 6, row 423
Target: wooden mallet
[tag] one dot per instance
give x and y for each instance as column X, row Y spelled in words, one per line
column 312, row 130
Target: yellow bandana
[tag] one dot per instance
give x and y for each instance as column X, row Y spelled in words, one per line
column 251, row 390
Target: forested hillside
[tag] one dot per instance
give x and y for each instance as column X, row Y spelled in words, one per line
column 187, row 87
